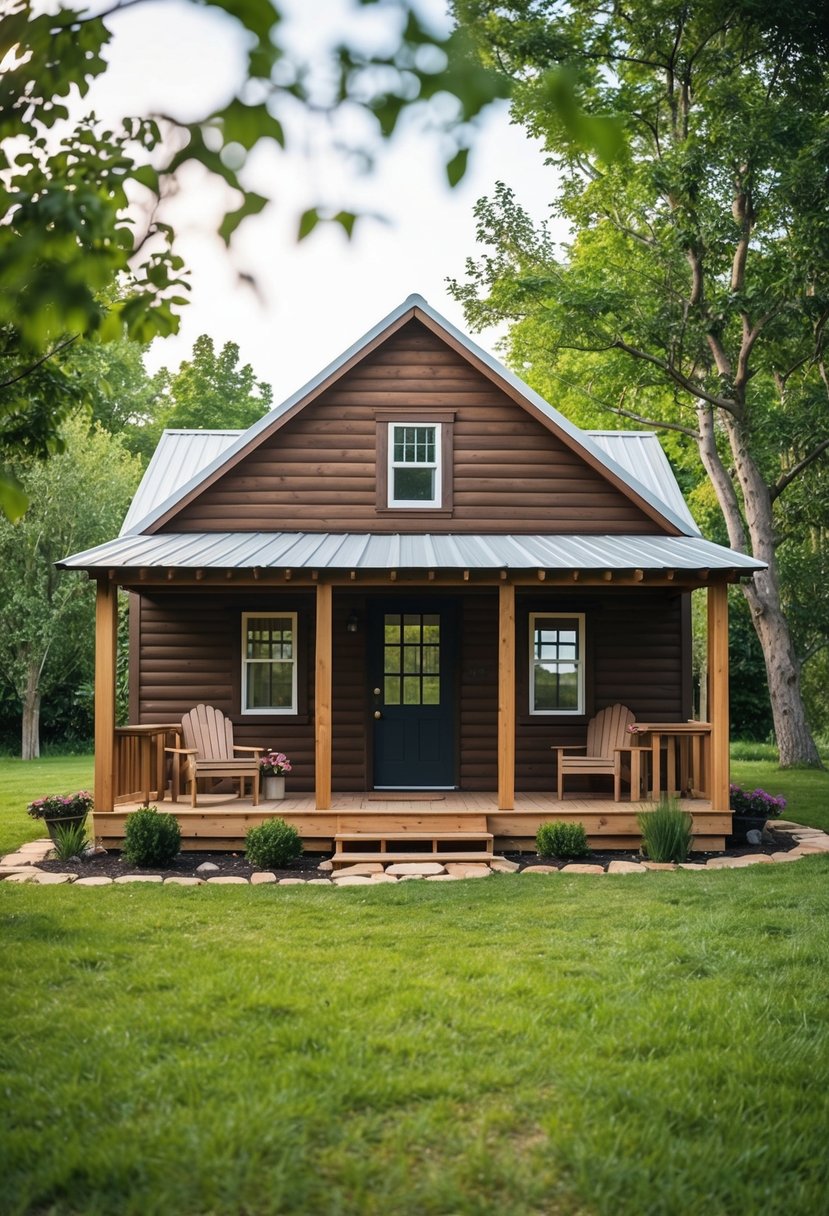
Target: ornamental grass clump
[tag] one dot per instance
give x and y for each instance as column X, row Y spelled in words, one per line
column 151, row 838
column 272, row 844
column 561, row 840
column 70, row 840
column 666, row 831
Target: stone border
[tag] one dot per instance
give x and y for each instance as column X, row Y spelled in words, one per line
column 22, row 867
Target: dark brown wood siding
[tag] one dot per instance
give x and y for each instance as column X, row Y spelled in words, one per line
column 637, row 652
column 319, row 471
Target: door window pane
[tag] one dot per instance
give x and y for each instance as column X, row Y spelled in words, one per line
column 412, row 671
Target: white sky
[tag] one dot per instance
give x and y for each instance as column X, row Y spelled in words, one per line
column 318, row 297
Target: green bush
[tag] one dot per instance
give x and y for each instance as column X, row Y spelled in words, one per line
column 561, row 840
column 151, row 838
column 70, row 840
column 666, row 831
column 272, row 844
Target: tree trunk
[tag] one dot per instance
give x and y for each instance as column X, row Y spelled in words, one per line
column 30, row 747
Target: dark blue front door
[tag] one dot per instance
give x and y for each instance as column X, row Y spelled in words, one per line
column 413, row 699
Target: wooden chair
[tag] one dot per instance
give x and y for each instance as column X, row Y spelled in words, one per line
column 607, row 740
column 209, row 751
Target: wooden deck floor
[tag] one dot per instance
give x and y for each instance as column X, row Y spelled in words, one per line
column 221, row 820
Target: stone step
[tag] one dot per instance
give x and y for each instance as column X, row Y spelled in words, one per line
column 420, row 836
column 347, row 859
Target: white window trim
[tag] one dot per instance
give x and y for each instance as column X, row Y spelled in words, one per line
column 268, row 711
column 557, row 616
column 415, row 504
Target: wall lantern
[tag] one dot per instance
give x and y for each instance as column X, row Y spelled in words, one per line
column 353, row 623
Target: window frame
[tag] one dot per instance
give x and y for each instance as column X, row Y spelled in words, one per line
column 269, row 710
column 444, row 421
column 417, row 504
column 581, row 664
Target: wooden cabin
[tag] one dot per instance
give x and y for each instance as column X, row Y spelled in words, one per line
column 417, row 579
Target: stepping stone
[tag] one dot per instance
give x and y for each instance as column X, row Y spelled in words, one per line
column 738, row 863
column 415, row 869
column 691, row 865
column 416, row 877
column 318, row 882
column 207, row 867
column 230, row 880
column 360, row 867
column 180, row 880
column 385, row 878
column 792, row 855
column 98, row 881
column 5, row 871
column 503, row 865
column 352, row 880
column 261, row 877
column 625, row 867
column 23, row 876
column 540, row 870
column 444, row 877
column 17, row 859
column 578, row 867
column 125, row 878
column 292, row 882
column 474, row 872
column 815, row 845
column 784, row 825
column 53, row 880
column 659, row 865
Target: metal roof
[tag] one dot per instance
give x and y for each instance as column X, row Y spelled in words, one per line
column 641, row 453
column 423, row 551
column 581, row 440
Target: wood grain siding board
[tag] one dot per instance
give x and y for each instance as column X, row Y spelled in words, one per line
column 478, row 692
column 319, row 471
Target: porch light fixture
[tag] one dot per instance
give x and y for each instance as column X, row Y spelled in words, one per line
column 353, row 623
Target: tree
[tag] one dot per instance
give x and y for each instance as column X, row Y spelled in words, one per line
column 78, row 499
column 84, row 249
column 695, row 285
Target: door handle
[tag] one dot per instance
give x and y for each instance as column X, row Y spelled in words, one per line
column 377, row 714
column 377, row 692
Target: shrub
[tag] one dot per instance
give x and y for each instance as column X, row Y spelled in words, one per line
column 666, row 831
column 272, row 844
column 151, row 838
column 561, row 840
column 70, row 840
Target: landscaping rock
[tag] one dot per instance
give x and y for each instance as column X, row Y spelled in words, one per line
column 180, row 880
column 351, row 880
column 817, row 844
column 52, row 880
column 540, row 870
column 361, row 867
column 503, row 865
column 442, row 878
column 753, row 836
column 318, row 882
column 383, row 878
column 692, row 865
column 415, row 869
column 659, row 865
column 292, row 882
column 261, row 877
column 229, row 879
column 97, row 881
column 207, row 867
column 325, row 866
column 23, row 876
column 578, row 867
column 125, row 878
column 792, row 855
column 474, row 871
column 416, row 877
column 18, row 859
column 625, row 867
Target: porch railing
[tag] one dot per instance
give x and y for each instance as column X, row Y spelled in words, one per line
column 139, row 761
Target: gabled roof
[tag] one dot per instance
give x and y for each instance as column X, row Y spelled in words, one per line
column 415, row 307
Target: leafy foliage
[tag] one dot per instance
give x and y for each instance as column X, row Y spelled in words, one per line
column 151, row 838
column 561, row 840
column 666, row 831
column 272, row 844
column 70, row 840
column 692, row 295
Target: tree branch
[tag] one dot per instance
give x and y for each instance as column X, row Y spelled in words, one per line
column 722, row 403
column 28, row 371
column 787, row 478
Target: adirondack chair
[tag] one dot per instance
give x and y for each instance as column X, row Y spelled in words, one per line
column 209, row 751
column 607, row 742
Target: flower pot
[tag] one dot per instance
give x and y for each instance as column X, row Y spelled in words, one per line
column 742, row 824
column 273, row 788
column 52, row 825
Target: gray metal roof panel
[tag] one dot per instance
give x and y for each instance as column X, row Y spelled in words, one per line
column 641, row 453
column 364, row 551
column 179, row 454
column 581, row 439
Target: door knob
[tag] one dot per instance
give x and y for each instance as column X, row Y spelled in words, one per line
column 377, row 692
column 377, row 713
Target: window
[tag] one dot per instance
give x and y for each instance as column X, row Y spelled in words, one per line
column 269, row 662
column 414, row 464
column 556, row 663
column 411, row 659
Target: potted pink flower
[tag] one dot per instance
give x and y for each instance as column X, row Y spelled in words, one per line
column 61, row 810
column 272, row 769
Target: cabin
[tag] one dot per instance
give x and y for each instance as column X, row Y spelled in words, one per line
column 420, row 581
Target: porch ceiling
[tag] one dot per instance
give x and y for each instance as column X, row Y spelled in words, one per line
column 328, row 551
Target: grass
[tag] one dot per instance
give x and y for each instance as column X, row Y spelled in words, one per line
column 548, row 1045
column 552, row 1045
column 21, row 781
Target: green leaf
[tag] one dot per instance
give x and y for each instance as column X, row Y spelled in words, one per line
column 346, row 220
column 252, row 205
column 456, row 167
column 307, row 223
column 13, row 502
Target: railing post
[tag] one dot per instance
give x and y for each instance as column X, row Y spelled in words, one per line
column 506, row 697
column 106, row 641
column 718, row 695
column 322, row 697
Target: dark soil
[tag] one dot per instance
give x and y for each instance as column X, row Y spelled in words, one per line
column 113, row 865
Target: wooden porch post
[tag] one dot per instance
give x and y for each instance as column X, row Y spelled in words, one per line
column 718, row 694
column 322, row 698
column 106, row 640
column 506, row 697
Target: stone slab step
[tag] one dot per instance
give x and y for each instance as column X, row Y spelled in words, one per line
column 346, row 859
column 421, row 836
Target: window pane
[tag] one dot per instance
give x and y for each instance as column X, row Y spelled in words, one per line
column 391, row 660
column 411, row 629
column 431, row 690
column 411, row 658
column 568, row 688
column 414, row 485
column 411, row 690
column 431, row 629
column 269, row 637
column 431, row 658
column 269, row 685
column 546, row 687
column 392, row 629
column 392, row 690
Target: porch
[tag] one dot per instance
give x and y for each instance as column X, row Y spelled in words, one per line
column 443, row 823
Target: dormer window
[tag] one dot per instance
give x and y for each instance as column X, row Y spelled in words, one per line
column 414, row 474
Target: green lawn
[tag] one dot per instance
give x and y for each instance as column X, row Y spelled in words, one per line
column 21, row 782
column 569, row 1045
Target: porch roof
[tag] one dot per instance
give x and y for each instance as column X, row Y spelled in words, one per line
column 371, row 551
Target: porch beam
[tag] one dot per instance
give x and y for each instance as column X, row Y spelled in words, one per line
column 322, row 697
column 106, row 641
column 506, row 697
column 718, row 709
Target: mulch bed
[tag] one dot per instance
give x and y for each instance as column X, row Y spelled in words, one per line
column 113, row 865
